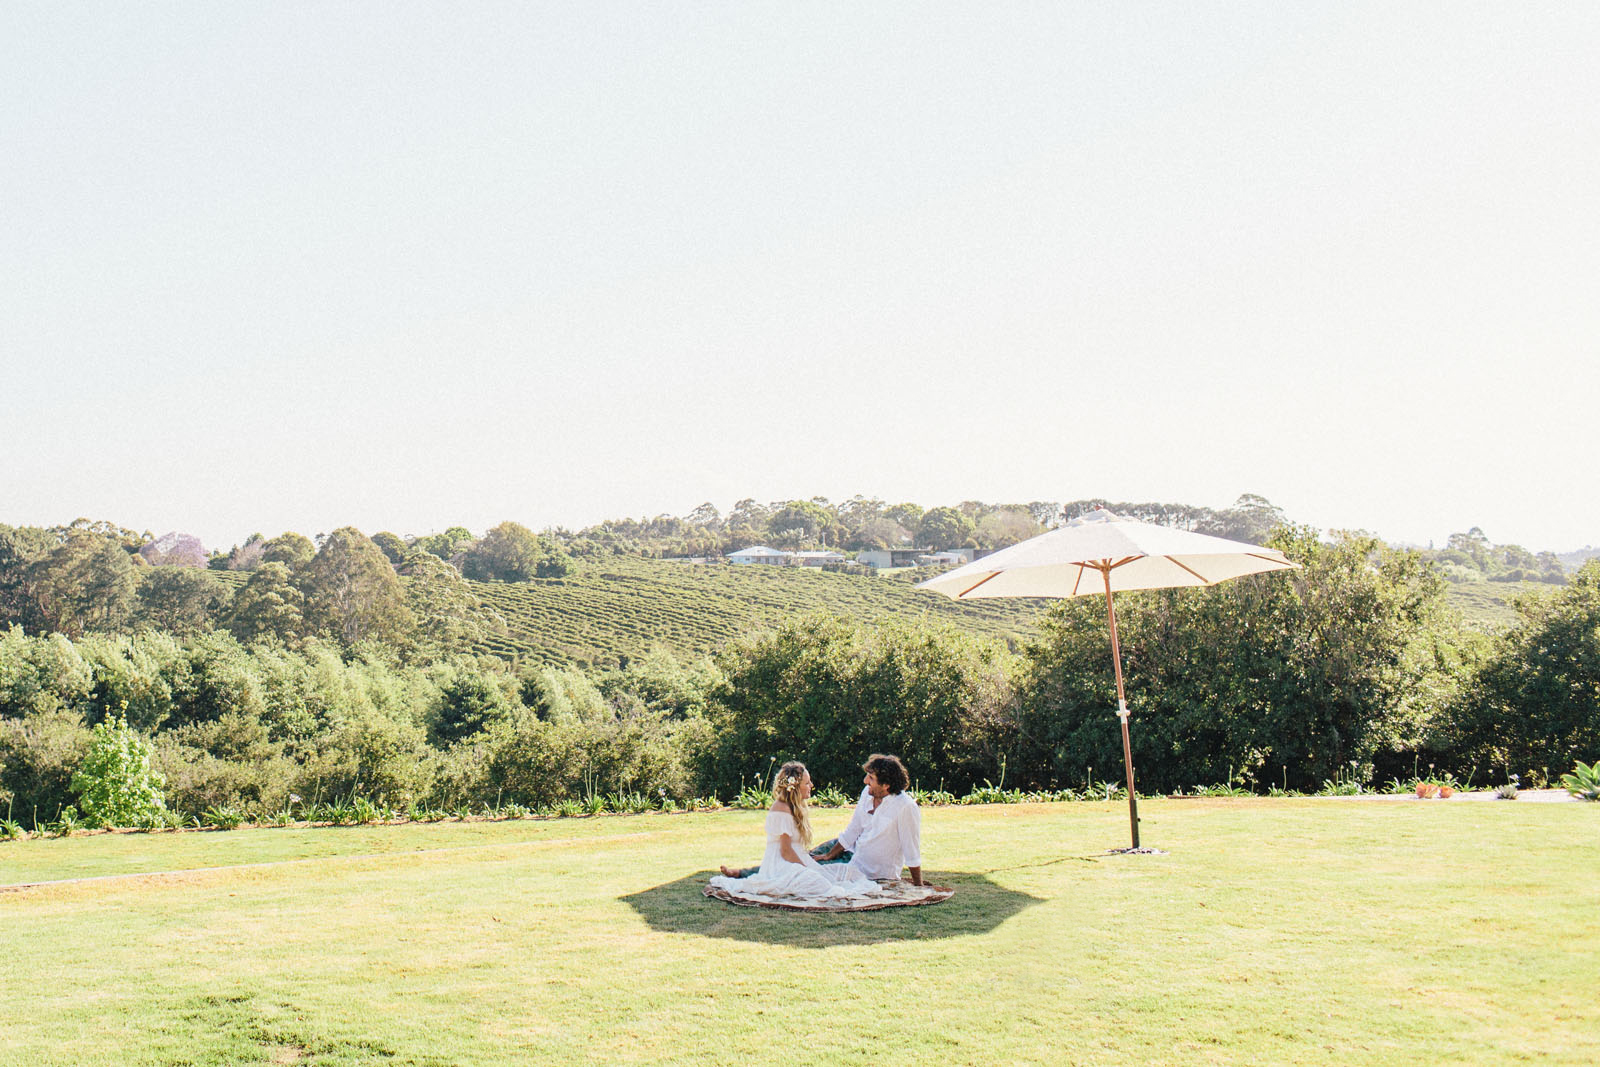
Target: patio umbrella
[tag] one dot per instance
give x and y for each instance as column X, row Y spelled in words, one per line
column 1102, row 553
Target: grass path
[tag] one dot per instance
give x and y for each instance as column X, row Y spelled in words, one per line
column 1297, row 931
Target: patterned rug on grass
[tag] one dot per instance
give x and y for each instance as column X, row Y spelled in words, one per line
column 895, row 895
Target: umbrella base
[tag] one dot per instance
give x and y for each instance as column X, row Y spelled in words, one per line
column 1135, row 852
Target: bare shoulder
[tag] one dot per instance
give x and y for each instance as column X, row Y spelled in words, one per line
column 781, row 807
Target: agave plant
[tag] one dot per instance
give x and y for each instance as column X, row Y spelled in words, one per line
column 1584, row 781
column 339, row 813
column 365, row 811
column 222, row 817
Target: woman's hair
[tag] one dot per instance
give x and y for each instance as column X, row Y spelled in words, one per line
column 888, row 770
column 786, row 787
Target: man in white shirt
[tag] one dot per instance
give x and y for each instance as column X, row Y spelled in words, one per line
column 885, row 832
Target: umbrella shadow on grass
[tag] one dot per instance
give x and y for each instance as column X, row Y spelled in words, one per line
column 681, row 907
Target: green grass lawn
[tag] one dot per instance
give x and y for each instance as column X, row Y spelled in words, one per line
column 1307, row 931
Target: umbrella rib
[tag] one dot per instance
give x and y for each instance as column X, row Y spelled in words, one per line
column 1270, row 559
column 970, row 588
column 1203, row 579
column 1078, row 580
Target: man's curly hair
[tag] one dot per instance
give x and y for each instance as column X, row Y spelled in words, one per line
column 888, row 770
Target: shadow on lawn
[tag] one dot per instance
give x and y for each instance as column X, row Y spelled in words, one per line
column 681, row 907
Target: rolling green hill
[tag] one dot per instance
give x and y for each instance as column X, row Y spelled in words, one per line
column 1487, row 605
column 621, row 607
column 624, row 605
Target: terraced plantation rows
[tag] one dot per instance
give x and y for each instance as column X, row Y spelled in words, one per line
column 624, row 606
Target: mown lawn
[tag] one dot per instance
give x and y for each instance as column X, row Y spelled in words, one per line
column 1297, row 931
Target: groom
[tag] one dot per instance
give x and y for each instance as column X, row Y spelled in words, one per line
column 885, row 831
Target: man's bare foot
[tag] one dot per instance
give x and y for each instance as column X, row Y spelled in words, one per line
column 729, row 872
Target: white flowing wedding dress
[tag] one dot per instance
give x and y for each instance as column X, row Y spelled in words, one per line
column 779, row 879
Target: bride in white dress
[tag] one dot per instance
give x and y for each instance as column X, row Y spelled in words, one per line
column 788, row 869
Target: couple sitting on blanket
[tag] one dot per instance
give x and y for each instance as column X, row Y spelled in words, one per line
column 885, row 834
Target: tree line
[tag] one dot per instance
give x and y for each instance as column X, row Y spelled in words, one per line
column 863, row 523
column 1352, row 667
column 95, row 577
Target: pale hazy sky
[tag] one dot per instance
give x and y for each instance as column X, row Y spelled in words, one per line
column 402, row 266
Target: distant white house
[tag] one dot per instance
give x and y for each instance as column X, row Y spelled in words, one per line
column 778, row 557
column 944, row 559
column 759, row 554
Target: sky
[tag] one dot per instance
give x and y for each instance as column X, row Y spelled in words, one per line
column 295, row 266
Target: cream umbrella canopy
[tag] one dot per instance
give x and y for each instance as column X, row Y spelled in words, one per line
column 1103, row 553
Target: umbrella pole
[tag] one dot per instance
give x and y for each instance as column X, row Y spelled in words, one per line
column 1122, row 711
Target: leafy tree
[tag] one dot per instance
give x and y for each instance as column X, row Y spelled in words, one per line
column 391, row 545
column 880, row 533
column 87, row 583
column 509, row 552
column 747, row 514
column 1047, row 513
column 513, row 553
column 133, row 673
column 115, row 784
column 663, row 685
column 444, row 545
column 215, row 676
column 1294, row 674
column 181, row 600
column 269, row 606
column 907, row 514
column 945, row 528
column 705, row 516
column 1535, row 703
column 291, row 549
column 1251, row 519
column 469, row 701
column 1005, row 526
column 352, row 592
column 121, row 535
column 20, row 549
column 800, row 522
column 449, row 615
column 556, row 562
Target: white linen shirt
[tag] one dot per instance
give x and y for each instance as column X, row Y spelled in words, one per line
column 885, row 840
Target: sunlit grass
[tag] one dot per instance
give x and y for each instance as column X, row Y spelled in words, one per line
column 1300, row 931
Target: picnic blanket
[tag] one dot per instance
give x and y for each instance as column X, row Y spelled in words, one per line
column 896, row 894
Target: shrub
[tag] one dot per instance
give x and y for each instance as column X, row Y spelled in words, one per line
column 230, row 762
column 38, row 755
column 828, row 690
column 115, row 784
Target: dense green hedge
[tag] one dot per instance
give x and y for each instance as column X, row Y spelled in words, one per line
column 1349, row 667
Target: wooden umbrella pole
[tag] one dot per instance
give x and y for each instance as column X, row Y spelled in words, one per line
column 1122, row 707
